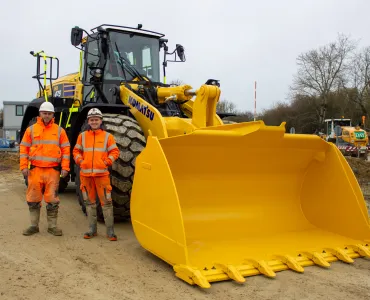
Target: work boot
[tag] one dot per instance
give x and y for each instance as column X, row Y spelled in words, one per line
column 109, row 220
column 35, row 218
column 52, row 215
column 91, row 217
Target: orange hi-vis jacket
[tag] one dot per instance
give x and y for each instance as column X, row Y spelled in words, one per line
column 94, row 152
column 45, row 146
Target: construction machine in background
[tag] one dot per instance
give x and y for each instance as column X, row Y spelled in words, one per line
column 350, row 140
column 211, row 199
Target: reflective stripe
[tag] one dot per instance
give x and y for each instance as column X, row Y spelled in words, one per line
column 65, row 145
column 112, row 147
column 23, row 156
column 31, row 129
column 65, row 156
column 45, row 142
column 26, row 144
column 95, row 170
column 83, row 140
column 44, row 158
column 59, row 133
column 95, row 149
column 84, row 196
column 111, row 157
column 106, row 140
column 83, row 147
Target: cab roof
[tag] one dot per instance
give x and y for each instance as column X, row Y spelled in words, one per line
column 129, row 29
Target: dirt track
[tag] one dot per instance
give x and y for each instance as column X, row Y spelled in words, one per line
column 69, row 267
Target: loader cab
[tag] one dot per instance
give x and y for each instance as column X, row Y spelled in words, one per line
column 137, row 51
column 122, row 54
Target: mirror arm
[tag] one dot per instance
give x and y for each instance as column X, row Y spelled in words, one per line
column 175, row 52
column 90, row 35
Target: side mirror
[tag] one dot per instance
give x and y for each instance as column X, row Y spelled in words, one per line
column 76, row 36
column 180, row 52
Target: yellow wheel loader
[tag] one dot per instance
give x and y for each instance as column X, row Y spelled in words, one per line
column 208, row 198
column 350, row 140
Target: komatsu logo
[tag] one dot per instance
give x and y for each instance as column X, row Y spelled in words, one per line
column 145, row 110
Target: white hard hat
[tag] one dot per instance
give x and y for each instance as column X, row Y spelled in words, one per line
column 47, row 106
column 94, row 112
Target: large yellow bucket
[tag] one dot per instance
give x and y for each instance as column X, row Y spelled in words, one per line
column 232, row 201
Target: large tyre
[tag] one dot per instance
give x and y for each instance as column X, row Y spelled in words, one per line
column 131, row 141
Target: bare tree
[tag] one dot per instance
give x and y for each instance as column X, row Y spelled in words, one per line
column 356, row 84
column 225, row 106
column 245, row 116
column 176, row 82
column 320, row 70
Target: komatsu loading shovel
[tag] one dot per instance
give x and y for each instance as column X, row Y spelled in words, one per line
column 210, row 199
column 221, row 205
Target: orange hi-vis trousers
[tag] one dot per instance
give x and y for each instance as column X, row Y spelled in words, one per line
column 96, row 185
column 43, row 182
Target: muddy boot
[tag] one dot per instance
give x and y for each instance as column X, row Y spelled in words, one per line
column 109, row 220
column 52, row 215
column 91, row 217
column 34, row 209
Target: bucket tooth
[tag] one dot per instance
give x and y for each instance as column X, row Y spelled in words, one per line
column 317, row 259
column 291, row 263
column 192, row 276
column 360, row 249
column 263, row 267
column 231, row 271
column 340, row 254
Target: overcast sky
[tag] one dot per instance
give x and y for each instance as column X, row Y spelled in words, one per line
column 236, row 42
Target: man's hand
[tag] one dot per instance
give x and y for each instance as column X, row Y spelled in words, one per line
column 25, row 172
column 64, row 173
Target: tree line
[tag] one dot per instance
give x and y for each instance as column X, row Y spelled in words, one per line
column 331, row 81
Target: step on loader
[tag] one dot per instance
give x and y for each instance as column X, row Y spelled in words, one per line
column 208, row 198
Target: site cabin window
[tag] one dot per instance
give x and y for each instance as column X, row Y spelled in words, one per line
column 19, row 110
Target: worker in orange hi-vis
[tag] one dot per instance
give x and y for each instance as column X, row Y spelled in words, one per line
column 94, row 152
column 44, row 158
